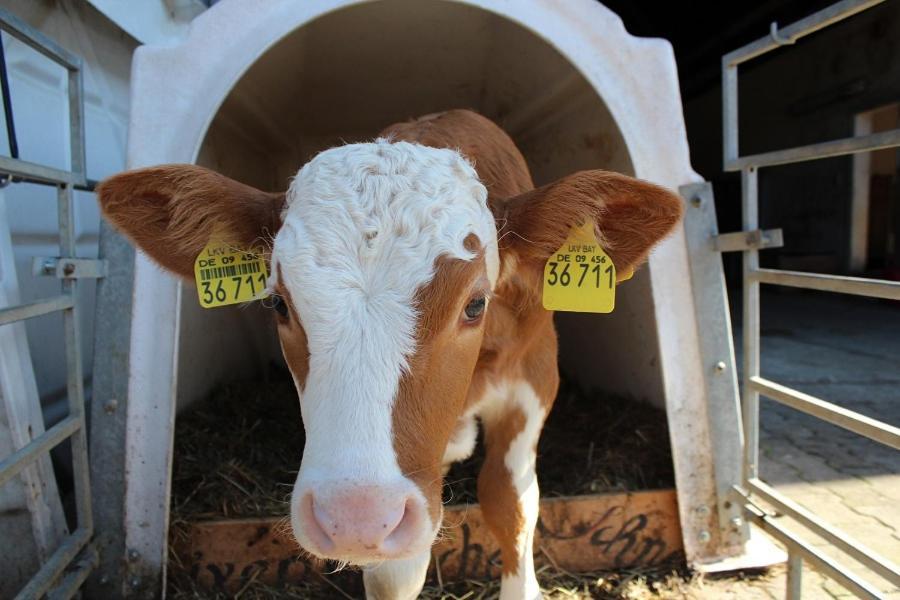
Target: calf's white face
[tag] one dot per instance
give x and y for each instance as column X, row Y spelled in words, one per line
column 375, row 240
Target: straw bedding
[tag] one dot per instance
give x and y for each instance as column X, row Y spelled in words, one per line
column 237, row 453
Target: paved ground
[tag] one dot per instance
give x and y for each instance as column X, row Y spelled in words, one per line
column 847, row 351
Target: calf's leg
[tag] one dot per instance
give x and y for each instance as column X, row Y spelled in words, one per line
column 507, row 485
column 400, row 579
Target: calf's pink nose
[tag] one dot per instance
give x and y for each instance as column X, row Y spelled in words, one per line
column 362, row 521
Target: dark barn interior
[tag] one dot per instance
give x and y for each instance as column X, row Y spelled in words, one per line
column 816, row 91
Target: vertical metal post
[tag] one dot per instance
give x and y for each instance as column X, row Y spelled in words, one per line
column 109, row 409
column 719, row 371
column 729, row 111
column 750, row 211
column 65, row 206
column 794, row 576
column 76, row 121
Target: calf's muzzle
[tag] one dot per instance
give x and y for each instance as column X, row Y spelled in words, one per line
column 361, row 523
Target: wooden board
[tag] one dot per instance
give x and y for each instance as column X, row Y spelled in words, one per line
column 582, row 533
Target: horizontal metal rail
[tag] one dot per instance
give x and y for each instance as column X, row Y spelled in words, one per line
column 852, row 421
column 777, row 38
column 30, row 452
column 793, row 32
column 857, row 286
column 838, row 538
column 75, row 575
column 89, row 185
column 23, row 170
column 37, row 308
column 55, row 565
column 829, row 149
column 758, row 239
column 818, row 560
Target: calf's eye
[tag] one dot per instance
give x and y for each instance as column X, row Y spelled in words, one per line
column 475, row 308
column 280, row 306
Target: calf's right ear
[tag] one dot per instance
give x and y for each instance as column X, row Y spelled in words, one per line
column 629, row 216
column 171, row 211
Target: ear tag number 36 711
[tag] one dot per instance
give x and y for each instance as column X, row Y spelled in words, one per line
column 580, row 276
column 229, row 275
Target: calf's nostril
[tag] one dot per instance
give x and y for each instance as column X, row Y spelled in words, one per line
column 317, row 526
column 407, row 528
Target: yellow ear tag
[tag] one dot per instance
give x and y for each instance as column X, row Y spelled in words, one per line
column 580, row 276
column 229, row 275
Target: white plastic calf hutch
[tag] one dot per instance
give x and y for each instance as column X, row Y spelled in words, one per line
column 259, row 86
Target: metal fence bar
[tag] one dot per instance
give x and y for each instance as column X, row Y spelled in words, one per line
column 75, row 384
column 852, row 421
column 76, row 124
column 55, row 565
column 838, row 538
column 720, row 379
column 29, row 171
column 857, row 286
column 13, row 464
column 793, row 32
column 75, row 576
column 36, row 40
column 750, row 209
column 775, row 39
column 729, row 113
column 822, row 563
column 752, row 383
column 794, row 577
column 23, row 170
column 37, row 308
column 829, row 149
column 8, row 115
column 73, row 426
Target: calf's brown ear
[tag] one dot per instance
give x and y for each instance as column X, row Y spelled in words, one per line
column 171, row 211
column 630, row 217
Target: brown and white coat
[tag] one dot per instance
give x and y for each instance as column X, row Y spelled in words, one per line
column 407, row 281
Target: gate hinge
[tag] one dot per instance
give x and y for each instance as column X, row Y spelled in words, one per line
column 69, row 268
column 758, row 239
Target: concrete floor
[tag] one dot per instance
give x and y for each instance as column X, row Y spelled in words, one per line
column 845, row 350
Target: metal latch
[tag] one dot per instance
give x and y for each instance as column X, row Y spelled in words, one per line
column 69, row 268
column 758, row 239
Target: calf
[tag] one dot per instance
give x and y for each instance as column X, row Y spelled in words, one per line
column 406, row 279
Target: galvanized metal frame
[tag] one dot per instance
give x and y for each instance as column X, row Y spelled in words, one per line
column 753, row 385
column 855, row 550
column 120, row 570
column 726, row 525
column 59, row 576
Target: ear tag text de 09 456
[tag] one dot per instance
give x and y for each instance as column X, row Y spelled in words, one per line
column 227, row 275
column 580, row 276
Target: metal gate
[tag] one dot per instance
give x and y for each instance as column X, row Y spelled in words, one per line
column 67, row 567
column 750, row 241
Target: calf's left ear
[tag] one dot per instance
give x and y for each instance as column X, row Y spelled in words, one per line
column 171, row 212
column 630, row 216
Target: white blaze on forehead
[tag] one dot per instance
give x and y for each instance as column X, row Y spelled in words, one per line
column 361, row 230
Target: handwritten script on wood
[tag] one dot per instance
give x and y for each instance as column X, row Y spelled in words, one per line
column 583, row 533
